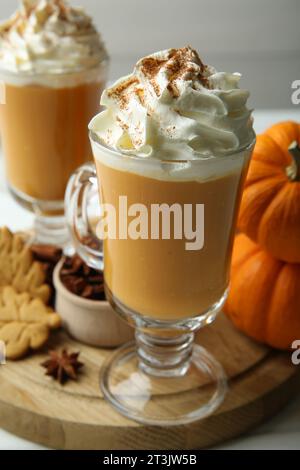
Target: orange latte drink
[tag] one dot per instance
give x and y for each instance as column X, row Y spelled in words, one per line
column 175, row 132
column 44, row 133
column 161, row 278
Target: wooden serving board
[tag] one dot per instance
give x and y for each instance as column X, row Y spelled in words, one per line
column 75, row 416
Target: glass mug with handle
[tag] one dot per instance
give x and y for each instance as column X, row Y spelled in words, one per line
column 162, row 288
column 52, row 75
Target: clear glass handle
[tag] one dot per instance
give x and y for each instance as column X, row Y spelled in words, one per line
column 81, row 188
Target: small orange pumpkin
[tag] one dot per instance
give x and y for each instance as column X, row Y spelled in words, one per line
column 264, row 298
column 270, row 207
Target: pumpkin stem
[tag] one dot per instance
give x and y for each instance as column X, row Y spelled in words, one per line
column 293, row 171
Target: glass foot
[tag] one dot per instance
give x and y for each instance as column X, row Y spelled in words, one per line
column 50, row 225
column 166, row 400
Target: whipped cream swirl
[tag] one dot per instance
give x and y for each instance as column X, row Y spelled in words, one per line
column 49, row 36
column 173, row 107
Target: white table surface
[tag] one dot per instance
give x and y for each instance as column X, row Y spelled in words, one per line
column 280, row 432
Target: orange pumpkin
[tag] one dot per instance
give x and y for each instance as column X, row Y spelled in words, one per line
column 264, row 298
column 270, row 207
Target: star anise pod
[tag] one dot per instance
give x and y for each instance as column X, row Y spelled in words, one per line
column 62, row 367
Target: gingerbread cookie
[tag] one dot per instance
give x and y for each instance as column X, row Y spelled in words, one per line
column 18, row 268
column 25, row 322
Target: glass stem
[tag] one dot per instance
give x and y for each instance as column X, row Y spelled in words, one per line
column 164, row 356
column 51, row 230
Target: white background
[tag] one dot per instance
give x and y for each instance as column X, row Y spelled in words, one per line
column 260, row 38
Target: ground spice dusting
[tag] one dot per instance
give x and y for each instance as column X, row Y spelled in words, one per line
column 151, row 66
column 140, row 94
column 156, row 87
column 28, row 10
column 119, row 92
column 63, row 14
column 179, row 65
column 123, row 125
column 173, row 89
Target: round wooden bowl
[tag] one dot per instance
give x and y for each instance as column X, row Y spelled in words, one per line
column 91, row 322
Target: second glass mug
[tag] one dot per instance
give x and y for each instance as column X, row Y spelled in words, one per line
column 162, row 289
column 43, row 129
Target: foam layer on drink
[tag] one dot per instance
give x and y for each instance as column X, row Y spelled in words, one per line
column 173, row 107
column 49, row 37
column 172, row 170
column 57, row 80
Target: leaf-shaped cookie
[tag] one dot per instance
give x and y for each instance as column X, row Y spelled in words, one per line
column 18, row 268
column 25, row 322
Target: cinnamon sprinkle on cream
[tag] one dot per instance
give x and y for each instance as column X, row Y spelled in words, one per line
column 168, row 108
column 141, row 95
column 156, row 87
column 122, row 124
column 183, row 64
column 150, row 66
column 173, row 89
column 119, row 92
